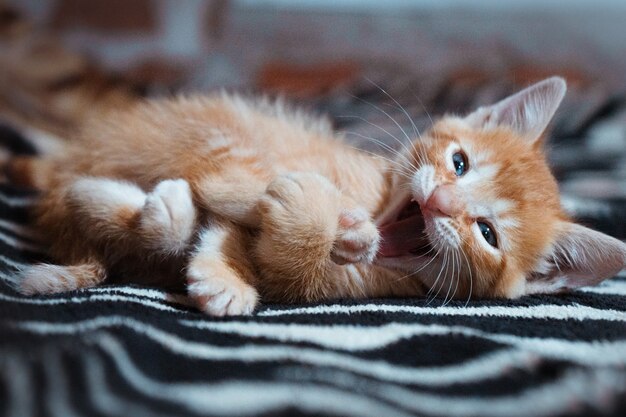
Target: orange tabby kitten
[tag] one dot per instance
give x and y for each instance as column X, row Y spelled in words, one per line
column 246, row 200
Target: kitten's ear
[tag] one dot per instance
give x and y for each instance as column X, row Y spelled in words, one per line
column 527, row 112
column 580, row 257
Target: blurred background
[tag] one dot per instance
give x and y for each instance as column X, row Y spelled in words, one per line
column 231, row 42
column 362, row 63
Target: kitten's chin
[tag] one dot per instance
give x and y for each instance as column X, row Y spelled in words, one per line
column 404, row 242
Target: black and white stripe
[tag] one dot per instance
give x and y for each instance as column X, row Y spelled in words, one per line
column 128, row 350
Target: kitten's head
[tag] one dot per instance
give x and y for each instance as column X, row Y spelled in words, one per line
column 475, row 209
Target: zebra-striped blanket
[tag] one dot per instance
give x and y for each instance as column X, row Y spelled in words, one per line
column 135, row 351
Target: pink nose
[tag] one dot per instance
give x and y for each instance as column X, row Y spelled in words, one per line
column 444, row 201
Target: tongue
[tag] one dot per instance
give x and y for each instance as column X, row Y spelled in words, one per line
column 403, row 237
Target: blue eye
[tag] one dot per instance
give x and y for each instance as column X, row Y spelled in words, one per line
column 488, row 233
column 460, row 163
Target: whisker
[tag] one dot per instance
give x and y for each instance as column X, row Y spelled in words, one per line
column 376, row 126
column 458, row 275
column 469, row 267
column 390, row 149
column 410, row 119
column 384, row 158
column 393, row 120
column 443, row 276
column 423, row 266
column 456, row 278
column 430, row 291
column 432, row 124
column 453, row 259
column 415, row 129
column 378, row 142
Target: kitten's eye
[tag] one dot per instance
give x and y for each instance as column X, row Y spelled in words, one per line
column 488, row 233
column 459, row 160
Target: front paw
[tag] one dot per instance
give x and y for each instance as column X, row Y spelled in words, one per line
column 357, row 238
column 168, row 216
column 307, row 209
column 223, row 296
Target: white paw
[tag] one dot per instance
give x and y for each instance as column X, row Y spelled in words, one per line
column 218, row 296
column 168, row 217
column 357, row 238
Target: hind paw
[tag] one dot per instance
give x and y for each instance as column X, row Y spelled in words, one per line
column 168, row 216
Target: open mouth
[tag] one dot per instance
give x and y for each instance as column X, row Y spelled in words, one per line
column 402, row 232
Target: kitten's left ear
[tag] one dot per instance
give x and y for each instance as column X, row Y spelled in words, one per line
column 527, row 112
column 579, row 257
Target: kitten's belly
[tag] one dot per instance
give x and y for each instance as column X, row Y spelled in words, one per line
column 228, row 173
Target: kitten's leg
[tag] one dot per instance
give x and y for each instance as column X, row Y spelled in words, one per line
column 232, row 195
column 308, row 229
column 49, row 279
column 162, row 221
column 116, row 213
column 220, row 278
